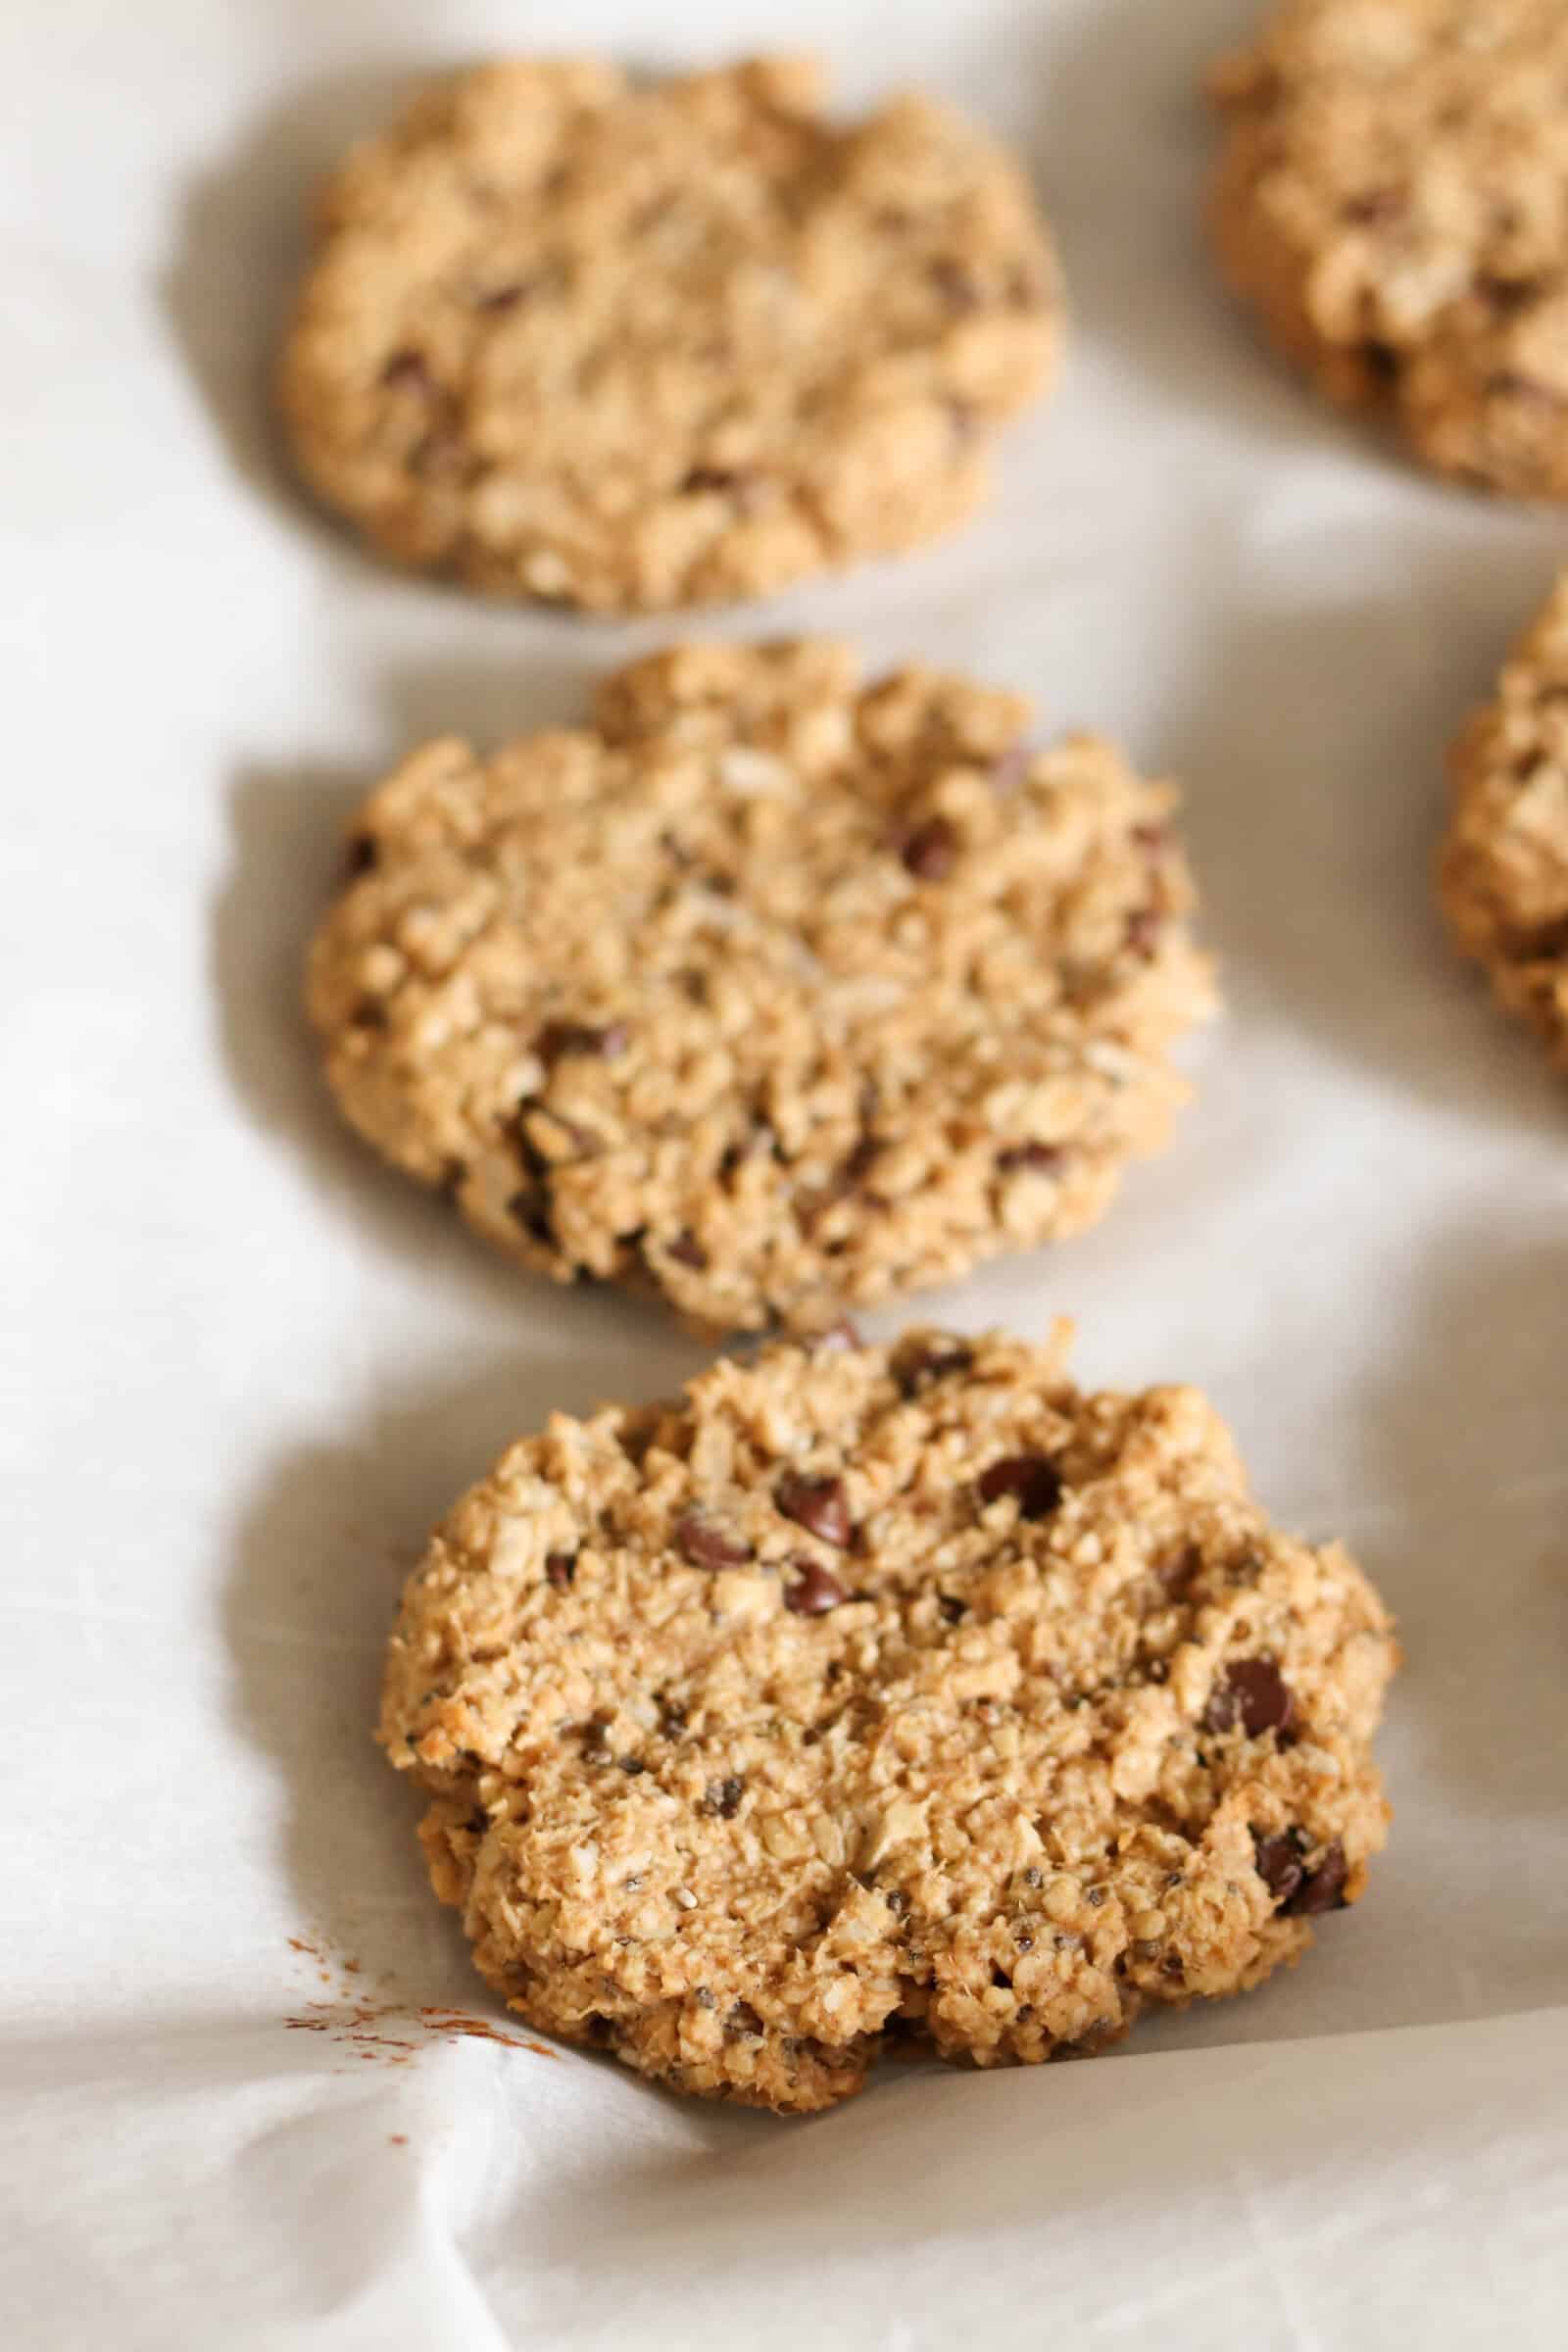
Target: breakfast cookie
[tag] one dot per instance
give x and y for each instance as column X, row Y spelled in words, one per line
column 1394, row 199
column 867, row 1691
column 617, row 345
column 769, row 990
column 1502, row 874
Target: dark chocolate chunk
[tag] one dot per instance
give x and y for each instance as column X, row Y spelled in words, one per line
column 819, row 1504
column 1253, row 1694
column 1033, row 1478
column 560, row 1569
column 723, row 1797
column 708, row 1547
column 1279, row 1863
column 1322, row 1890
column 814, row 1591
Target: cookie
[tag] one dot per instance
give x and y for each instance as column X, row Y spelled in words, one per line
column 1392, row 199
column 869, row 1692
column 620, row 346
column 769, row 992
column 1503, row 873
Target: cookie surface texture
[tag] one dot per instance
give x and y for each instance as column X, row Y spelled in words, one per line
column 1502, row 874
column 627, row 347
column 1393, row 200
column 769, row 992
column 864, row 1693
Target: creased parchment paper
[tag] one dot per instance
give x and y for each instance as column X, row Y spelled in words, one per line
column 241, row 1368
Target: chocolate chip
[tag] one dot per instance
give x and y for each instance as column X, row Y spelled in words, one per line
column 560, row 1569
column 814, row 1591
column 1324, row 1888
column 708, row 1547
column 407, row 368
column 1278, row 1862
column 363, row 853
column 1044, row 1158
column 918, row 1366
column 1033, row 1478
column 1023, row 1940
column 951, row 1608
column 819, row 1504
column 687, row 1251
column 631, row 1766
column 557, row 1039
column 1253, row 1694
column 742, row 2022
column 723, row 1797
column 1144, row 929
column 672, row 1719
column 1093, row 1897
column 932, row 850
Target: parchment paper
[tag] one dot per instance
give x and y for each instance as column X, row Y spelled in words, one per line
column 242, row 1368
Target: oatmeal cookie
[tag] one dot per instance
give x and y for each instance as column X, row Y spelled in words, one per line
column 622, row 346
column 769, row 990
column 865, row 1691
column 1502, row 874
column 1392, row 199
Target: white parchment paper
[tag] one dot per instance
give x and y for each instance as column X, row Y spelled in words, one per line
column 241, row 1368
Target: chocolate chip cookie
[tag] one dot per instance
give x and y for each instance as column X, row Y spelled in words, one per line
column 619, row 346
column 1394, row 199
column 867, row 1691
column 1502, row 875
column 770, row 991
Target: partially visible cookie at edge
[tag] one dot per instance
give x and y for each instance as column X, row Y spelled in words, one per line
column 625, row 345
column 1503, row 873
column 1392, row 201
column 770, row 992
column 863, row 1692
